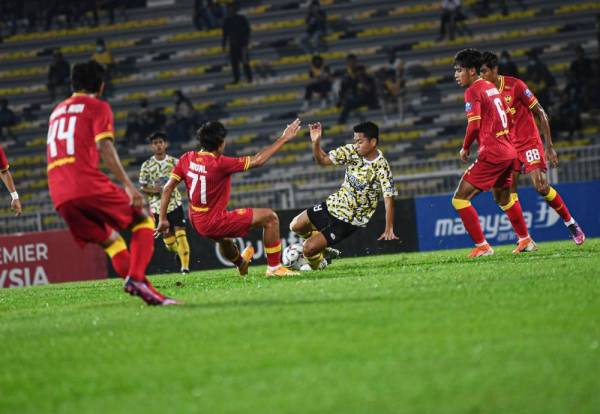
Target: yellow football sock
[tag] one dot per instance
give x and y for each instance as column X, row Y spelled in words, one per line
column 315, row 260
column 183, row 249
column 170, row 243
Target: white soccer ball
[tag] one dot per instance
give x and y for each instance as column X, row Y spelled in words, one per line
column 292, row 256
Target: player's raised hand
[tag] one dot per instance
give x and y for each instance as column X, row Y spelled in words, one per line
column 16, row 206
column 388, row 234
column 291, row 130
column 552, row 156
column 464, row 154
column 316, row 131
column 163, row 226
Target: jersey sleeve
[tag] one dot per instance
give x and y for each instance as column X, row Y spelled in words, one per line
column 386, row 180
column 524, row 94
column 472, row 105
column 102, row 124
column 3, row 161
column 179, row 170
column 341, row 155
column 233, row 165
column 144, row 174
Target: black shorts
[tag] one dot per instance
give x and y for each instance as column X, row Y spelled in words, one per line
column 176, row 219
column 334, row 229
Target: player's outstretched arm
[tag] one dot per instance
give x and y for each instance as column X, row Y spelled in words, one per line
column 163, row 223
column 542, row 117
column 316, row 132
column 388, row 233
column 110, row 158
column 263, row 155
column 15, row 204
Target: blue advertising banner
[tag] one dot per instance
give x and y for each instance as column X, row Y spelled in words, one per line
column 439, row 227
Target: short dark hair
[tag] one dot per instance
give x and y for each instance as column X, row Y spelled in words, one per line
column 489, row 59
column 469, row 59
column 87, row 76
column 158, row 135
column 369, row 129
column 211, row 135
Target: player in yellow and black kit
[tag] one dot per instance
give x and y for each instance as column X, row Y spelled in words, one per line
column 368, row 175
column 154, row 174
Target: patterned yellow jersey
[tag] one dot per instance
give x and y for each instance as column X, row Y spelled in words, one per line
column 157, row 173
column 356, row 200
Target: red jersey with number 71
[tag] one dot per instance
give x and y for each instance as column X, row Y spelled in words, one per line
column 75, row 125
column 484, row 103
column 519, row 100
column 207, row 178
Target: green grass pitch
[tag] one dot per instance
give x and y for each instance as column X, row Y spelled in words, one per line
column 406, row 333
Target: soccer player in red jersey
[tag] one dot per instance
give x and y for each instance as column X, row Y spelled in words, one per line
column 81, row 133
column 207, row 176
column 524, row 106
column 7, row 178
column 488, row 124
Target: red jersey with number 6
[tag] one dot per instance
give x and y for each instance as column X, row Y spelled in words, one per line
column 75, row 126
column 519, row 100
column 207, row 178
column 484, row 103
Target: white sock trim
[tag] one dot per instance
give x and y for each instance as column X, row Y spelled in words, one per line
column 524, row 238
column 271, row 268
column 568, row 223
column 481, row 244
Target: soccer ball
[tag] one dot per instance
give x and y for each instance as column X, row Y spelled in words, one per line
column 292, row 256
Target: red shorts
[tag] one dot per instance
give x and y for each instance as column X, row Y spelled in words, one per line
column 92, row 219
column 485, row 175
column 530, row 158
column 234, row 223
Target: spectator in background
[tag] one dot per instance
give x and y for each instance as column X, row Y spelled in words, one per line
column 392, row 93
column 8, row 119
column 450, row 9
column 346, row 85
column 183, row 121
column 133, row 130
column 236, row 36
column 105, row 58
column 506, row 66
column 59, row 76
column 320, row 82
column 364, row 94
column 316, row 29
column 539, row 79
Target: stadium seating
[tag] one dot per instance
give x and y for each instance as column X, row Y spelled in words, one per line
column 158, row 51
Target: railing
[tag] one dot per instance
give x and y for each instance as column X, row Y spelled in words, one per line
column 412, row 178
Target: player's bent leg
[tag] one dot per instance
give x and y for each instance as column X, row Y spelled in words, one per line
column 313, row 250
column 269, row 221
column 183, row 249
column 302, row 226
column 461, row 201
column 230, row 251
column 554, row 200
column 509, row 203
column 170, row 241
column 116, row 248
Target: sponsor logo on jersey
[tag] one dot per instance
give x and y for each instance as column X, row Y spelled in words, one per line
column 528, row 93
column 468, row 107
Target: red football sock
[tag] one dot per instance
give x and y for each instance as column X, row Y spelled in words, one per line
column 120, row 262
column 142, row 248
column 273, row 254
column 470, row 219
column 556, row 202
column 515, row 215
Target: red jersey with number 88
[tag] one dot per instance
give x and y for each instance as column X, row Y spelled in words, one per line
column 207, row 178
column 484, row 103
column 75, row 126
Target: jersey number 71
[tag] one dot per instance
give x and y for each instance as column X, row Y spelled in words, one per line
column 195, row 178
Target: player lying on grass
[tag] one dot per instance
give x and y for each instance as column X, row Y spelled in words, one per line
column 368, row 175
column 488, row 124
column 523, row 107
column 154, row 173
column 7, row 179
column 81, row 132
column 207, row 176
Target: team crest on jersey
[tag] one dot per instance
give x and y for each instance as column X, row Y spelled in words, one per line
column 468, row 107
column 528, row 93
column 508, row 99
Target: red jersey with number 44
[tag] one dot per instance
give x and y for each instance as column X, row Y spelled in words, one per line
column 484, row 103
column 3, row 161
column 519, row 100
column 75, row 126
column 207, row 178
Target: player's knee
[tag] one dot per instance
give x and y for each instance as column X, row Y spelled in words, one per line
column 309, row 249
column 272, row 219
column 294, row 225
column 542, row 187
column 458, row 203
